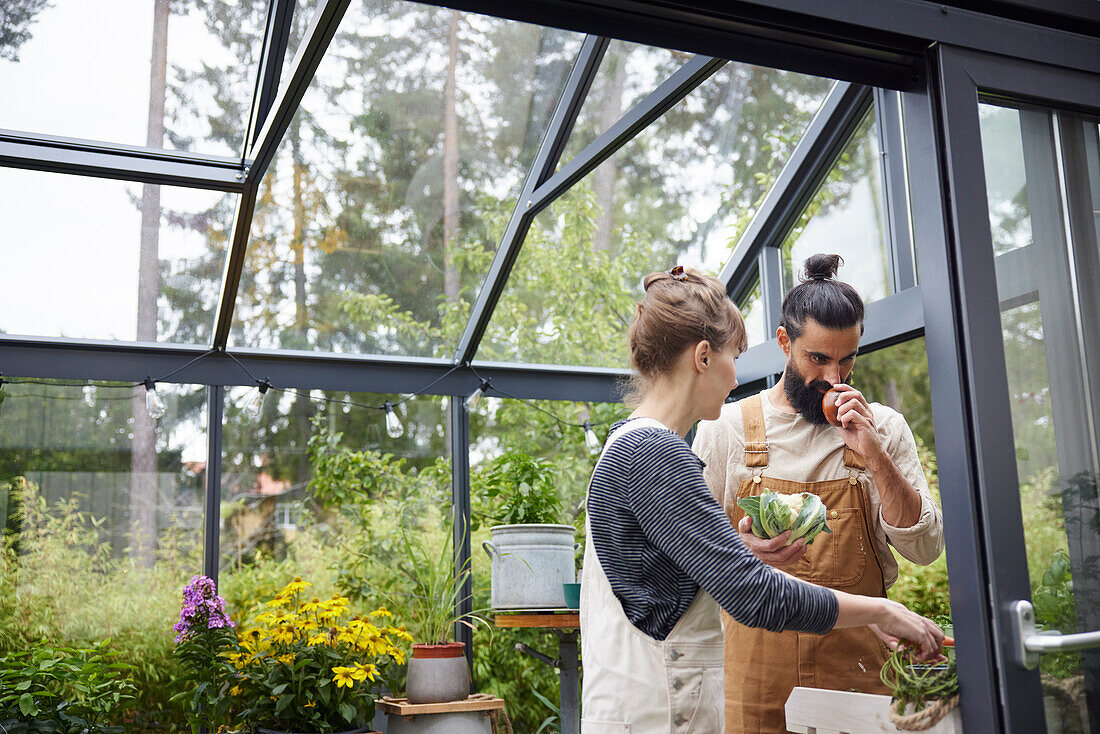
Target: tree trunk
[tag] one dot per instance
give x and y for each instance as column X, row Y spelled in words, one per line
column 302, row 409
column 604, row 178
column 143, row 452
column 451, row 283
column 890, row 396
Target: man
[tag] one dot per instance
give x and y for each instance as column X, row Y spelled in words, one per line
column 867, row 474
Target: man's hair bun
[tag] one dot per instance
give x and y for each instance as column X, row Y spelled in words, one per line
column 820, row 267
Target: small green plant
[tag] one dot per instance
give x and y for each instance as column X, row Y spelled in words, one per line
column 520, row 489
column 1056, row 609
column 63, row 690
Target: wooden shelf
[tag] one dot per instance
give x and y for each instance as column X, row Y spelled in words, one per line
column 476, row 702
column 555, row 619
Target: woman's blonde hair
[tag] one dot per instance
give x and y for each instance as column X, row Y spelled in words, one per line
column 681, row 307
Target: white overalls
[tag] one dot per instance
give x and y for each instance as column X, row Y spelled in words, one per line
column 634, row 684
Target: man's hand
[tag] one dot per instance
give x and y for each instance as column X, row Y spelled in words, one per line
column 774, row 552
column 857, row 423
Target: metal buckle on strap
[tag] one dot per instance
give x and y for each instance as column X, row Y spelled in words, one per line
column 757, row 447
column 854, row 476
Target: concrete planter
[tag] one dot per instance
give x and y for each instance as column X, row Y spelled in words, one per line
column 529, row 565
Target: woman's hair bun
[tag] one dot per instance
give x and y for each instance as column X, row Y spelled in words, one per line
column 820, row 267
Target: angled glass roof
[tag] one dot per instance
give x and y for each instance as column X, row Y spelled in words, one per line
column 680, row 192
column 85, row 71
column 378, row 219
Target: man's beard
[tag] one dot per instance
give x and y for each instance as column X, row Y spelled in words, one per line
column 806, row 399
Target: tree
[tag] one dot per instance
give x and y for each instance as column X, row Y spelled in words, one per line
column 16, row 18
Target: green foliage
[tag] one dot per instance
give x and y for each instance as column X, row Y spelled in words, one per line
column 1056, row 609
column 64, row 690
column 519, row 489
column 205, row 676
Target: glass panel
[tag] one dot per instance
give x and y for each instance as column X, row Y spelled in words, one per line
column 380, row 215
column 1050, row 324
column 550, row 433
column 897, row 377
column 682, row 191
column 103, row 511
column 847, row 216
column 86, row 66
column 78, row 275
column 627, row 74
column 1005, row 180
column 752, row 309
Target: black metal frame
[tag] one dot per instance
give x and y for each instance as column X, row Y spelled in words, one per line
column 931, row 139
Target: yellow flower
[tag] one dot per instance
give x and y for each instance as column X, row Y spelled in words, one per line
column 295, row 586
column 288, row 658
column 382, row 612
column 310, row 704
column 312, row 605
column 400, row 633
column 284, row 634
column 279, row 601
column 363, row 672
column 320, row 638
column 398, row 656
column 329, row 614
column 343, row 676
column 235, row 691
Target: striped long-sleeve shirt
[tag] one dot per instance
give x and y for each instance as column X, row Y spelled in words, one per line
column 660, row 536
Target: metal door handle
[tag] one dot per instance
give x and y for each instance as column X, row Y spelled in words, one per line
column 1028, row 644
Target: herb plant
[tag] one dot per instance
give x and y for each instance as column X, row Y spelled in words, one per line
column 521, row 489
column 916, row 683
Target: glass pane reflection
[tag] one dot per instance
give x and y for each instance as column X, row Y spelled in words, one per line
column 1047, row 260
column 379, row 217
column 847, row 216
column 680, row 192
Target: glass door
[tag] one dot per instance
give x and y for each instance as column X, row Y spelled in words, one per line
column 1021, row 272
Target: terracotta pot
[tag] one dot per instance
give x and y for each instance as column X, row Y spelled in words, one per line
column 438, row 673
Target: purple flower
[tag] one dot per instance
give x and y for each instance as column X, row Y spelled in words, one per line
column 202, row 609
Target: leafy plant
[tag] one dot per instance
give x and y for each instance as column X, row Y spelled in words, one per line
column 63, row 690
column 773, row 513
column 519, row 489
column 204, row 641
column 299, row 667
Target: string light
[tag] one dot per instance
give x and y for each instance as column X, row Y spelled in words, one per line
column 254, row 406
column 154, row 404
column 394, row 429
column 475, row 397
column 591, row 440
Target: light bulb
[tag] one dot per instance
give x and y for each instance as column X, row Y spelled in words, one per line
column 591, row 440
column 89, row 396
column 475, row 397
column 254, row 406
column 394, row 429
column 154, row 404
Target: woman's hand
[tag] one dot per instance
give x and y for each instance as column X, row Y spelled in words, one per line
column 901, row 625
column 774, row 552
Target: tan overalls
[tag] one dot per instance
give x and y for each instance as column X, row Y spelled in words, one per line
column 634, row 684
column 763, row 667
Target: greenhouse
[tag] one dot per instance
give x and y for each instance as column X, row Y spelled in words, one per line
column 305, row 297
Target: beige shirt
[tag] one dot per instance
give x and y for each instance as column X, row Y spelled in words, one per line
column 802, row 452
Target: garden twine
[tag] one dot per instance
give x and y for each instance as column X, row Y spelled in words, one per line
column 924, row 719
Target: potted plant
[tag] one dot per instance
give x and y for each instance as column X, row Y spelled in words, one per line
column 532, row 553
column 428, row 592
column 308, row 666
column 921, row 693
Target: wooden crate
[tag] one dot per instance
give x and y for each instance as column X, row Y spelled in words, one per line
column 402, row 707
column 818, row 711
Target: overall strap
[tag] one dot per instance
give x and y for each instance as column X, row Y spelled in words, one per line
column 852, row 460
column 756, row 439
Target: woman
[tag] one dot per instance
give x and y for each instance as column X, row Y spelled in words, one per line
column 662, row 556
